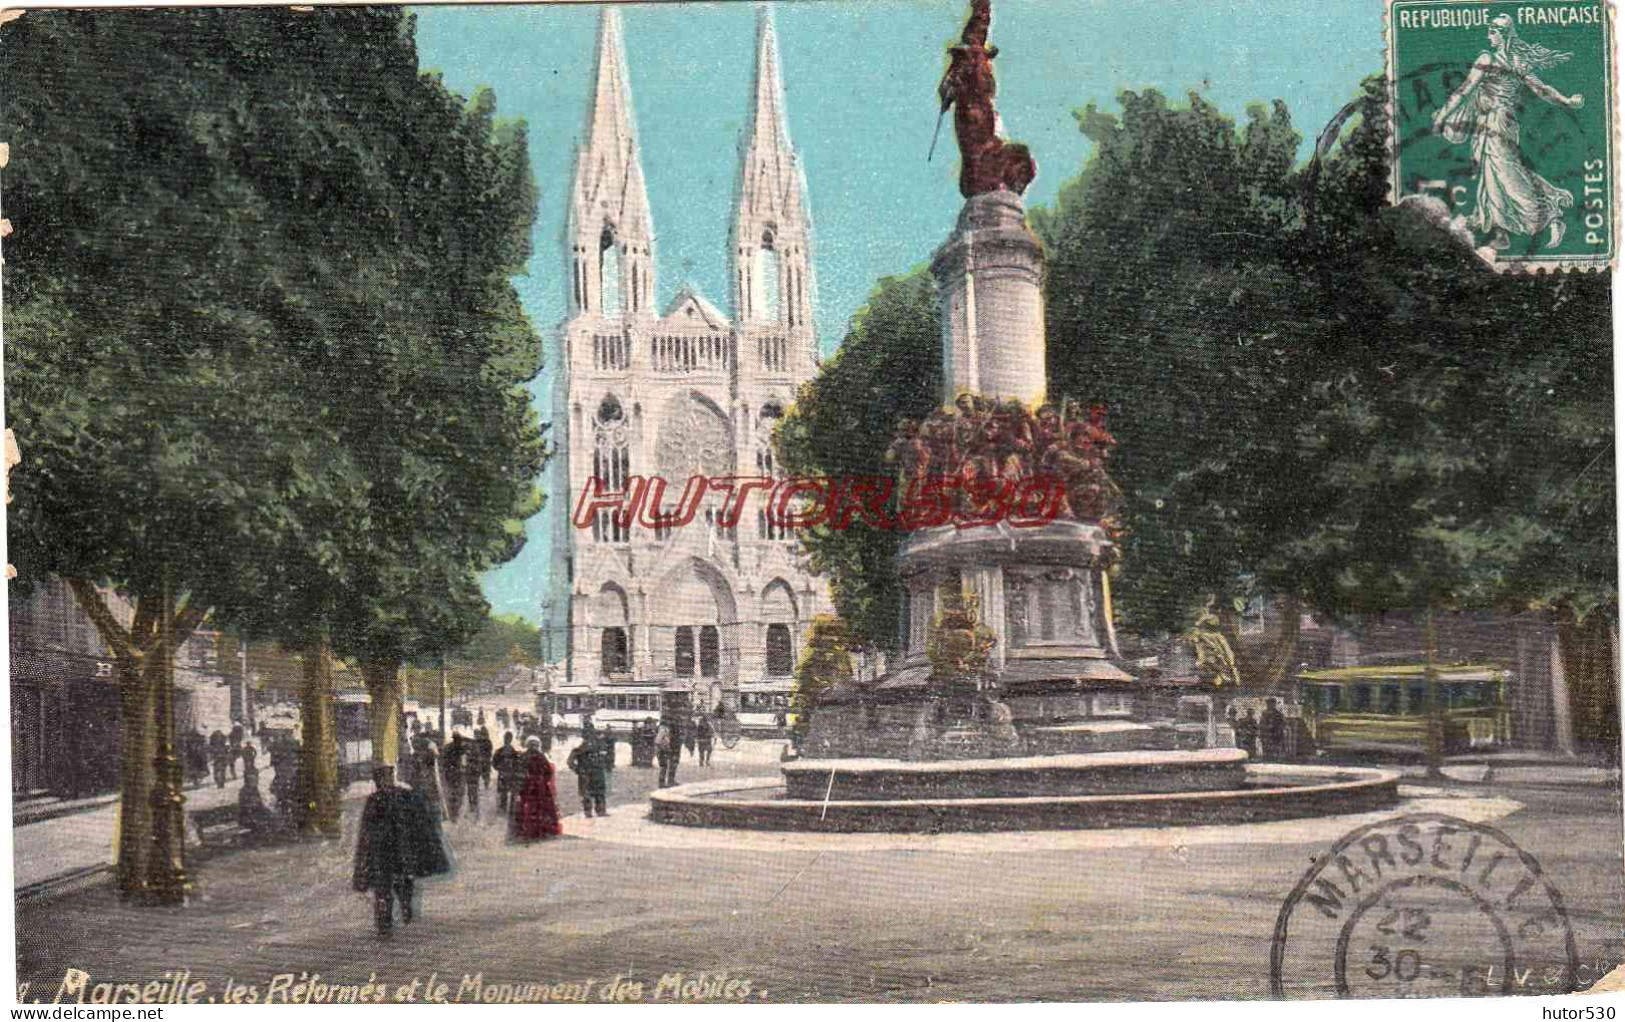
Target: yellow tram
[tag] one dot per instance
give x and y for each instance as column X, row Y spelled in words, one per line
column 1384, row 708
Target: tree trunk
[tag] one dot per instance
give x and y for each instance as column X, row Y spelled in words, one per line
column 167, row 880
column 138, row 747
column 144, row 654
column 1586, row 653
column 1278, row 666
column 383, row 679
column 1562, row 715
column 319, row 763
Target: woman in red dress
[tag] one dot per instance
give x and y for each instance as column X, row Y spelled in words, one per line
column 536, row 810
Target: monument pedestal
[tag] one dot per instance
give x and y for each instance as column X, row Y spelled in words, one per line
column 1044, row 594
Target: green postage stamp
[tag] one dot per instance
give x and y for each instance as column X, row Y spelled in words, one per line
column 1505, row 112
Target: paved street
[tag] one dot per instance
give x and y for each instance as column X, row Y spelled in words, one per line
column 1136, row 914
column 80, row 840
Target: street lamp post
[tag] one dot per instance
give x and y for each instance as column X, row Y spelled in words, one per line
column 445, row 724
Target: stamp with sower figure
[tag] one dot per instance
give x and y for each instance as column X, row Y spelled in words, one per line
column 1504, row 112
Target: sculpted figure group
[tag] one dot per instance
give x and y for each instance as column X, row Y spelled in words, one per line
column 989, row 451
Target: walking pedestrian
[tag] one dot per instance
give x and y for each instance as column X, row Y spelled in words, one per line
column 195, row 755
column 234, row 746
column 1272, row 730
column 219, row 756
column 587, row 763
column 426, row 775
column 1247, row 732
column 536, row 807
column 474, row 769
column 397, row 842
column 643, row 744
column 453, row 768
column 689, row 733
column 484, row 750
column 252, row 814
column 668, row 747
column 506, row 763
column 703, row 737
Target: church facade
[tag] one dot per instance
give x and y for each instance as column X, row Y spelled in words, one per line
column 706, row 613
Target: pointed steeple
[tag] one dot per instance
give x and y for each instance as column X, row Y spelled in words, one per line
column 609, row 235
column 768, row 138
column 772, row 231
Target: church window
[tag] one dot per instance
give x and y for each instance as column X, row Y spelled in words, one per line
column 779, row 653
column 612, row 463
column 683, row 666
column 609, row 272
column 614, row 651
column 767, row 527
column 710, row 650
column 768, row 267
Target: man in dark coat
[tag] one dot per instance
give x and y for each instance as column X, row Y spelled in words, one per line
column 453, row 772
column 195, row 756
column 220, row 756
column 1272, row 730
column 234, row 745
column 1247, row 732
column 397, row 842
column 475, row 768
column 703, row 737
column 587, row 762
column 506, row 763
column 482, row 752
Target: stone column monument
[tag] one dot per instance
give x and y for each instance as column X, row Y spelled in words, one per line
column 1041, row 593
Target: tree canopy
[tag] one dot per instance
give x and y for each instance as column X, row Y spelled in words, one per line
column 264, row 347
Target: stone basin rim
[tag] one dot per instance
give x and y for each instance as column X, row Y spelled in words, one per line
column 1069, row 762
column 1348, row 779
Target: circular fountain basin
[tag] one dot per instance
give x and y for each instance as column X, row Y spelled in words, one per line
column 1267, row 792
column 1100, row 773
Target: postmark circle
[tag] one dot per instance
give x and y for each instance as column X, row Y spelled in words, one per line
column 1423, row 905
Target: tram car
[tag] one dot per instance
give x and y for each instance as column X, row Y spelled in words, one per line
column 1383, row 709
column 761, row 708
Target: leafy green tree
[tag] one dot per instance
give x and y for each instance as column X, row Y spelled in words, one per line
column 1173, row 297
column 147, row 376
column 827, row 663
column 264, row 352
column 888, row 368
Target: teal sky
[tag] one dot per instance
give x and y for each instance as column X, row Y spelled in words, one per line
column 860, row 82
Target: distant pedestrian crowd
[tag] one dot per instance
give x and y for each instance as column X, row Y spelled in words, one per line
column 439, row 781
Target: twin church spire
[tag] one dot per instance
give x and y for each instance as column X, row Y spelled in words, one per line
column 609, row 233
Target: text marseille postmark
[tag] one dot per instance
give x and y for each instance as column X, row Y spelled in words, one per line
column 1504, row 113
column 1424, row 905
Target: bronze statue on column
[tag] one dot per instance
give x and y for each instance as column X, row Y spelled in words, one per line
column 987, row 163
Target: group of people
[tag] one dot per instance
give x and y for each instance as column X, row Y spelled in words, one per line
column 218, row 752
column 1262, row 736
column 662, row 743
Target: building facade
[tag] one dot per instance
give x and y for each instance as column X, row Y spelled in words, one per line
column 65, row 718
column 653, row 615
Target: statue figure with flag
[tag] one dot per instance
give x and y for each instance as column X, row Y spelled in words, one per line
column 988, row 163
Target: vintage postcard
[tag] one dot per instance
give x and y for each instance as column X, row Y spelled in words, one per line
column 811, row 502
